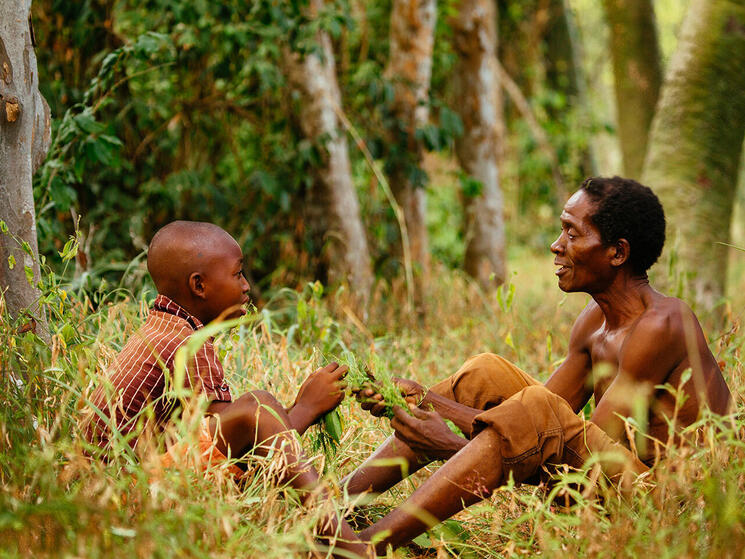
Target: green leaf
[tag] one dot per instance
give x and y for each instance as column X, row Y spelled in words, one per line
column 67, row 332
column 87, row 123
column 470, row 186
column 430, row 136
column 508, row 340
column 111, row 140
column 29, row 275
column 450, row 123
column 27, row 248
column 61, row 194
column 3, row 228
column 11, row 261
column 69, row 250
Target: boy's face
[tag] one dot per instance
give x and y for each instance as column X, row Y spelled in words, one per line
column 225, row 286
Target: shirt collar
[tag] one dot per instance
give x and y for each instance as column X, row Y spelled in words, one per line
column 167, row 305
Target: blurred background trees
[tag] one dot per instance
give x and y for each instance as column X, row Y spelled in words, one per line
column 305, row 128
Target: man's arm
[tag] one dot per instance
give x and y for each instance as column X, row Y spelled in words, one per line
column 415, row 394
column 572, row 380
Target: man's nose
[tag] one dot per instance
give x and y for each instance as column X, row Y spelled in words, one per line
column 246, row 287
column 556, row 246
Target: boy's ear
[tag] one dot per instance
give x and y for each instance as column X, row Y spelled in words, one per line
column 622, row 251
column 196, row 285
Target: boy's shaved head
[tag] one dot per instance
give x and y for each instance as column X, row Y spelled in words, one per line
column 182, row 248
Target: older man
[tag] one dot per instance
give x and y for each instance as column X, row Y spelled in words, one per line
column 629, row 340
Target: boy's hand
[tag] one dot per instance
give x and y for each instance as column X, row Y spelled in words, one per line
column 321, row 392
column 371, row 400
column 426, row 433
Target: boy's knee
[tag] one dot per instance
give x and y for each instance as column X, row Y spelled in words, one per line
column 253, row 402
column 265, row 398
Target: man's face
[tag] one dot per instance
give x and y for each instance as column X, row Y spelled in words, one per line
column 226, row 288
column 583, row 260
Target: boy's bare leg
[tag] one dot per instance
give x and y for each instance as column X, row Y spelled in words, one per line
column 462, row 481
column 257, row 422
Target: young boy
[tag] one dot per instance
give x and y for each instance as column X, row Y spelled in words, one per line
column 197, row 269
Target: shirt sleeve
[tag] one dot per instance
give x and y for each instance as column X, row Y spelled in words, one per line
column 206, row 375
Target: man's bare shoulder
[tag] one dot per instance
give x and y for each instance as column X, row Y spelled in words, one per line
column 589, row 320
column 665, row 316
column 658, row 337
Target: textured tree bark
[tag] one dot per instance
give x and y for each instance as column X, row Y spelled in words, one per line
column 333, row 207
column 476, row 88
column 410, row 70
column 696, row 140
column 564, row 68
column 637, row 75
column 24, row 142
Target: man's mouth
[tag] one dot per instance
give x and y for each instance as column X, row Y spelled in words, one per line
column 562, row 269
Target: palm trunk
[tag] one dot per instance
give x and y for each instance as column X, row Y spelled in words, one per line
column 410, row 70
column 636, row 70
column 24, row 142
column 696, row 140
column 332, row 206
column 476, row 89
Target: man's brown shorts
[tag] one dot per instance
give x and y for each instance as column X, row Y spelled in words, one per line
column 536, row 427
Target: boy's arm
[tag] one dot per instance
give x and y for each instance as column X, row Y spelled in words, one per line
column 321, row 392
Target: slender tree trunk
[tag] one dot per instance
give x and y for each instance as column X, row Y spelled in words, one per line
column 697, row 137
column 24, row 142
column 638, row 76
column 332, row 206
column 410, row 70
column 564, row 69
column 476, row 89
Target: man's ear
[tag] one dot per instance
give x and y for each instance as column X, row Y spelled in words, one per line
column 196, row 285
column 621, row 252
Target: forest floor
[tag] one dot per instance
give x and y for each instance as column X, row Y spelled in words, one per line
column 55, row 502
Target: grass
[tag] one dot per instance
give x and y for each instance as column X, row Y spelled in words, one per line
column 54, row 502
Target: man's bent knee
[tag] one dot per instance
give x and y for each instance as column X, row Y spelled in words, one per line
column 484, row 381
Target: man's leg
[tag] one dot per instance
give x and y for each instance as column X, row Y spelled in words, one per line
column 257, row 423
column 482, row 382
column 533, row 428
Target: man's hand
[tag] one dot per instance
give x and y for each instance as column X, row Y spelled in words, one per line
column 321, row 392
column 372, row 400
column 426, row 433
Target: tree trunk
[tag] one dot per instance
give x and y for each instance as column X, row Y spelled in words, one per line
column 24, row 142
column 332, row 206
column 410, row 69
column 476, row 88
column 696, row 140
column 564, row 70
column 637, row 74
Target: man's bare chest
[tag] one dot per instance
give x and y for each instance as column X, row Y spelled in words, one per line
column 605, row 348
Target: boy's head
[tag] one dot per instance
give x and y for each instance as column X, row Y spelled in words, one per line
column 200, row 267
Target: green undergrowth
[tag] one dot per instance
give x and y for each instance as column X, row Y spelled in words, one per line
column 56, row 502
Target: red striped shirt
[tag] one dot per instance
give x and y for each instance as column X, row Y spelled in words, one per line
column 143, row 369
